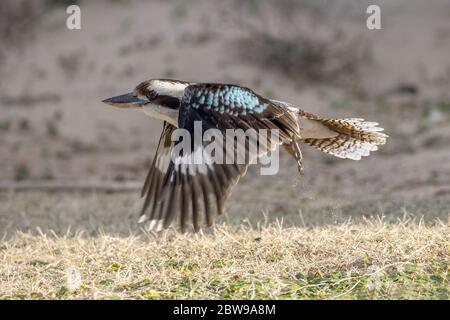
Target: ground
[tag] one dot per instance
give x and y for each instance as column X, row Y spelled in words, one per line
column 72, row 165
column 90, row 247
column 346, row 261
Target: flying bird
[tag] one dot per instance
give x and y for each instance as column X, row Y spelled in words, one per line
column 195, row 192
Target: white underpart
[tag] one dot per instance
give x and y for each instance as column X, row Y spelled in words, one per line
column 162, row 113
column 314, row 129
column 309, row 128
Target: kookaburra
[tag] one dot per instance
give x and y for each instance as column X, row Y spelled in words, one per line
column 183, row 191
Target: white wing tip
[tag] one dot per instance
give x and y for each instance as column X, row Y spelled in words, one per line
column 156, row 225
column 142, row 218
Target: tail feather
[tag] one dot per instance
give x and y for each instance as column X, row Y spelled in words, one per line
column 354, row 138
column 350, row 138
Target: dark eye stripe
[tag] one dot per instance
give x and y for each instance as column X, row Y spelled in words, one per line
column 167, row 101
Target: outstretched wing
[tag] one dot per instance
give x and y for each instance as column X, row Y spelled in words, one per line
column 194, row 184
column 175, row 186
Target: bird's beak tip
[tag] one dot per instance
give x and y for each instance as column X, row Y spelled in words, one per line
column 128, row 100
column 107, row 101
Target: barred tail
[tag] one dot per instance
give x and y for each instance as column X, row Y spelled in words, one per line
column 344, row 138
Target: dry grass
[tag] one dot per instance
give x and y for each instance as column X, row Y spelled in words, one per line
column 374, row 260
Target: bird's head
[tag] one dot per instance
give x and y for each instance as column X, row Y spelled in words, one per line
column 161, row 92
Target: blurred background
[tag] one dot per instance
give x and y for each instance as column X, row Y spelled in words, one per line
column 69, row 160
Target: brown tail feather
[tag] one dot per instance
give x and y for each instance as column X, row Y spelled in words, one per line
column 352, row 139
column 344, row 138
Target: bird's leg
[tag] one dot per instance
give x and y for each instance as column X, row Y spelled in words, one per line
column 298, row 155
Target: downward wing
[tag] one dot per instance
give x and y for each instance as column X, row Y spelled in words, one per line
column 177, row 185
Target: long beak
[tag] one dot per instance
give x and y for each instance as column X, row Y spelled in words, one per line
column 128, row 100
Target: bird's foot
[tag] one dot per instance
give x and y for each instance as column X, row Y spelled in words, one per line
column 300, row 168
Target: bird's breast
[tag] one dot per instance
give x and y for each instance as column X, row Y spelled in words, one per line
column 162, row 113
